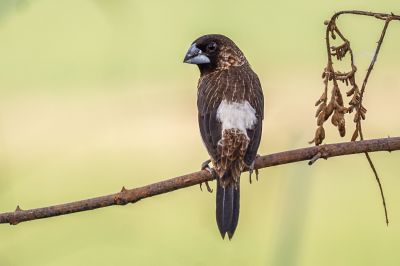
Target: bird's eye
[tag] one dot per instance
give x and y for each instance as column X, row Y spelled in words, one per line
column 211, row 47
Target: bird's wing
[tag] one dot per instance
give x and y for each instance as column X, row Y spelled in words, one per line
column 256, row 100
column 208, row 101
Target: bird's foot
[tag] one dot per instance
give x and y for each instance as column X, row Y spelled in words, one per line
column 251, row 170
column 205, row 166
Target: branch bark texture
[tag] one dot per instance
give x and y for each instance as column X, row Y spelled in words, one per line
column 126, row 196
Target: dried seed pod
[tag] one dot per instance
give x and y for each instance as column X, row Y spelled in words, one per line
column 339, row 98
column 319, row 135
column 335, row 118
column 321, row 99
column 354, row 101
column 336, row 109
column 321, row 118
column 350, row 92
column 341, row 109
column 329, row 110
column 320, row 108
column 363, row 109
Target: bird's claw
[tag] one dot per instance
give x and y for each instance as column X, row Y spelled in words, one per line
column 251, row 170
column 205, row 166
column 209, row 189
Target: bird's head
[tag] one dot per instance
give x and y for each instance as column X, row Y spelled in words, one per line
column 214, row 52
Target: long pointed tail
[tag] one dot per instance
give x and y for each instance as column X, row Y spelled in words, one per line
column 228, row 201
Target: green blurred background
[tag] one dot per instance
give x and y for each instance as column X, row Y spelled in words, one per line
column 94, row 95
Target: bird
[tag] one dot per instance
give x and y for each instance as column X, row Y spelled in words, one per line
column 230, row 105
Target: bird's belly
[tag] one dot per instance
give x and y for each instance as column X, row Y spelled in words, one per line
column 236, row 115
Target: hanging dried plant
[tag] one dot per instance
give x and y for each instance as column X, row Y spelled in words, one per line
column 335, row 108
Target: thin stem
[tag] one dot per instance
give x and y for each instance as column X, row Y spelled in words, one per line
column 371, row 65
column 380, row 186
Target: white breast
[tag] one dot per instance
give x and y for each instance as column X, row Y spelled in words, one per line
column 241, row 116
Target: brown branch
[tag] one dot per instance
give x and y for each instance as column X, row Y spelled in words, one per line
column 133, row 195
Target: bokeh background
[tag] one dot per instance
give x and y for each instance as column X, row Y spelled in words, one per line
column 94, row 95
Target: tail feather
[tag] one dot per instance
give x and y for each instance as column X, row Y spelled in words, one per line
column 227, row 212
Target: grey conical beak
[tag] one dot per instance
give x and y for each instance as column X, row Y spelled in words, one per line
column 195, row 56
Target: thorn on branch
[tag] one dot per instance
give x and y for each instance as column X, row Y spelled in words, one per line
column 315, row 158
column 322, row 153
column 14, row 220
column 119, row 199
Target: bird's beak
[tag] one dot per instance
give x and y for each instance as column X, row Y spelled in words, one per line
column 195, row 56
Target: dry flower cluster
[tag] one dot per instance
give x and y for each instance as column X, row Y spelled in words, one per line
column 335, row 108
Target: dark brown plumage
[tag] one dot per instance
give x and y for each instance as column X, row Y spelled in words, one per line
column 230, row 112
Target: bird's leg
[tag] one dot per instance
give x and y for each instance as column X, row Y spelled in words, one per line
column 251, row 169
column 205, row 166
